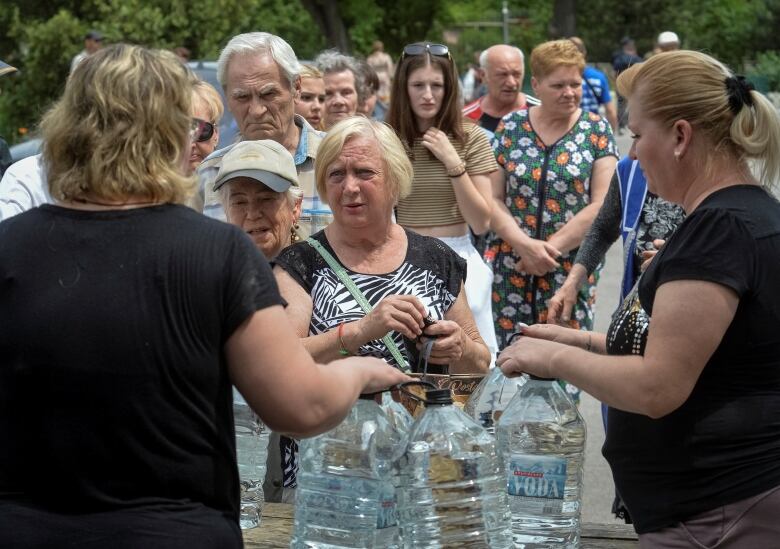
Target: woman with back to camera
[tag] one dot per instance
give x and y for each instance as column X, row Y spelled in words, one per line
column 452, row 161
column 693, row 438
column 131, row 321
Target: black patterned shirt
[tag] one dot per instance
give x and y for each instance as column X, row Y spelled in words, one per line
column 431, row 271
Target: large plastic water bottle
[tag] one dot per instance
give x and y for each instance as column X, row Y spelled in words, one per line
column 541, row 437
column 251, row 454
column 346, row 483
column 397, row 414
column 491, row 397
column 453, row 490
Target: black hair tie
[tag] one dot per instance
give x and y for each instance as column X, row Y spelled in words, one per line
column 739, row 88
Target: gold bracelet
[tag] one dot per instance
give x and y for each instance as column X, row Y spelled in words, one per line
column 457, row 170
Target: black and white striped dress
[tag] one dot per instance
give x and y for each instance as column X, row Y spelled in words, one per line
column 431, row 271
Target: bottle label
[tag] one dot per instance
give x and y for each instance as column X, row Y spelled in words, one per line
column 536, row 476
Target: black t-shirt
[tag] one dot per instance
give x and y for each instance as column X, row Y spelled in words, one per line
column 723, row 444
column 488, row 122
column 115, row 399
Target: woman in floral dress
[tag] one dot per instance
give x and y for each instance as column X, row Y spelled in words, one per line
column 557, row 161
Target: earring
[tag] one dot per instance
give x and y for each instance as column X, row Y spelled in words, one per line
column 294, row 233
column 677, row 155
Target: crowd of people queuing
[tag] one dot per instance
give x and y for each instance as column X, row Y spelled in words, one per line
column 127, row 314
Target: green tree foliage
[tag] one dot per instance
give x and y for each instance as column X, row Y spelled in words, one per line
column 49, row 47
column 768, row 67
column 41, row 36
column 731, row 30
column 529, row 26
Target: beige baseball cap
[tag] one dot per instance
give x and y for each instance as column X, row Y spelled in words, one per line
column 264, row 160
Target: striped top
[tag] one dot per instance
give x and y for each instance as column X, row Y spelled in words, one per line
column 432, row 200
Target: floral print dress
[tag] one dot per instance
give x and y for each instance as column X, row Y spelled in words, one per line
column 546, row 186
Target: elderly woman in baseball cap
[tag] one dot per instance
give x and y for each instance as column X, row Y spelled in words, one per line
column 258, row 186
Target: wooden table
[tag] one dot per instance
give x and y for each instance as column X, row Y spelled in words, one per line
column 276, row 527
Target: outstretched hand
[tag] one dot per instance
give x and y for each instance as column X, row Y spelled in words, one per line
column 378, row 375
column 532, row 352
column 528, row 355
column 557, row 333
column 560, row 306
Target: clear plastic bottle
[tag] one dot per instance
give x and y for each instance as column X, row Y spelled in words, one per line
column 491, row 397
column 453, row 490
column 251, row 454
column 398, row 415
column 346, row 483
column 541, row 438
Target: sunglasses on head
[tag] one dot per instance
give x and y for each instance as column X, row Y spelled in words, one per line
column 200, row 130
column 439, row 50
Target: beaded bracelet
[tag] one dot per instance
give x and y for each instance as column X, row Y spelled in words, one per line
column 457, row 170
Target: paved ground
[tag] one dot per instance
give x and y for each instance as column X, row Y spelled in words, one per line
column 599, row 489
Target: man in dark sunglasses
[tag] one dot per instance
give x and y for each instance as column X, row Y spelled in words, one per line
column 261, row 78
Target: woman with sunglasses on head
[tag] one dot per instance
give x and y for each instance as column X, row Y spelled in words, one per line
column 452, row 161
column 124, row 329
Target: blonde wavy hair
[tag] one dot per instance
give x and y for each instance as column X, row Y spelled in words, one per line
column 399, row 172
column 692, row 86
column 210, row 97
column 121, row 128
column 308, row 71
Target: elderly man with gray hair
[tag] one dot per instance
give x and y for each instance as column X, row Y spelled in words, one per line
column 260, row 75
column 344, row 86
column 502, row 71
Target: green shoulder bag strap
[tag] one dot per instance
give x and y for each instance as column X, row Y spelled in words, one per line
column 359, row 297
